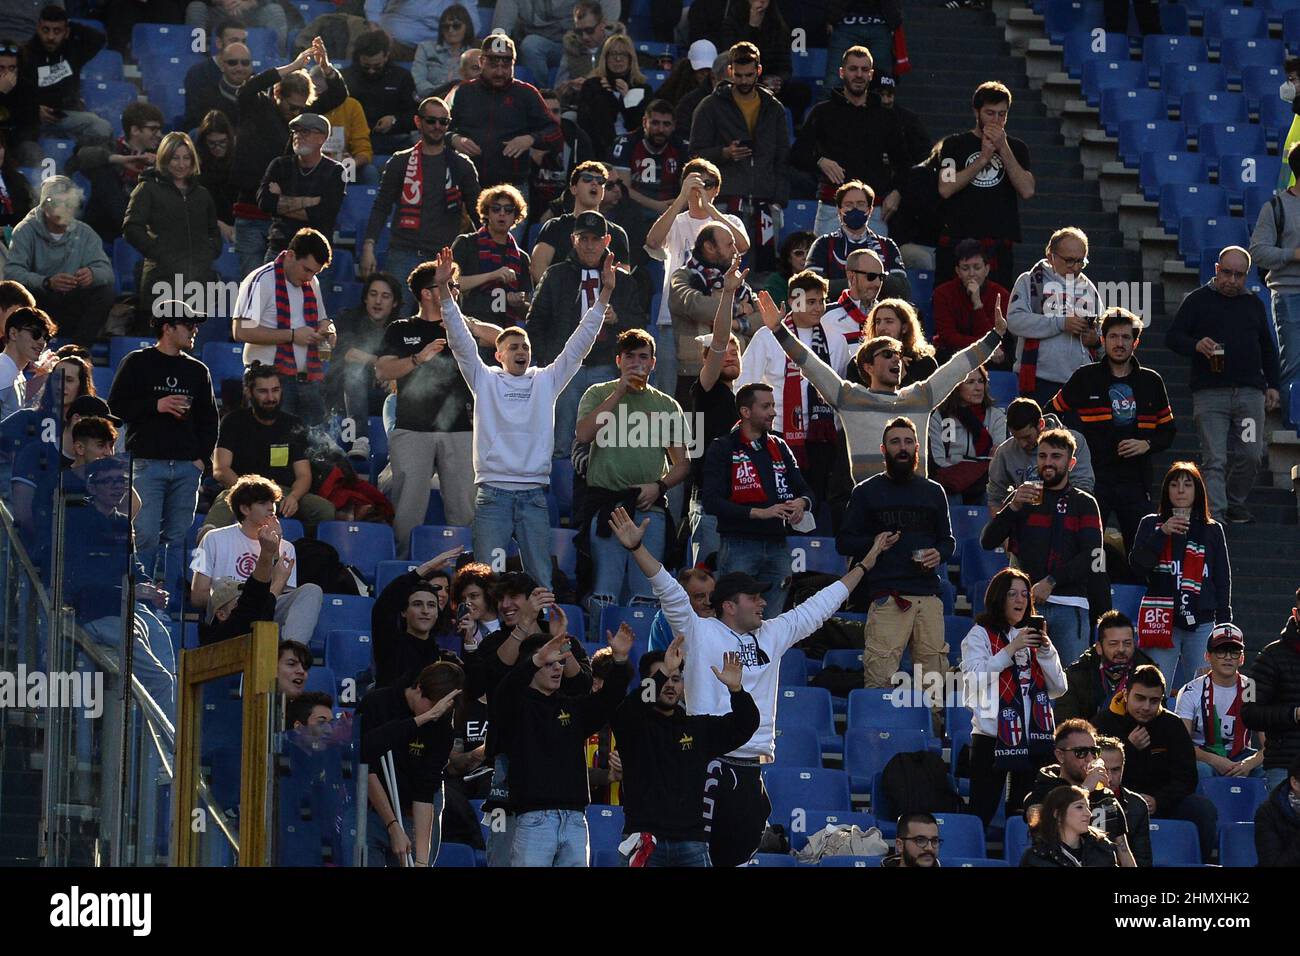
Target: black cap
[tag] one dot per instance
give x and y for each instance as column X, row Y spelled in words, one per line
column 590, row 222
column 884, row 81
column 92, row 406
column 733, row 583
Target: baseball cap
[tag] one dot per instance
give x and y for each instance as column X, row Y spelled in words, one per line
column 498, row 44
column 173, row 311
column 733, row 583
column 1224, row 635
column 92, row 406
column 592, row 222
column 702, row 53
column 224, row 590
column 312, row 122
column 884, row 81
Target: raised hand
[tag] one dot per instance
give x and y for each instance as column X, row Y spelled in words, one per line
column 554, row 651
column 445, row 266
column 999, row 320
column 557, row 622
column 609, row 274
column 440, row 561
column 731, row 672
column 768, row 310
column 621, row 641
column 675, row 654
column 734, row 278
column 628, row 532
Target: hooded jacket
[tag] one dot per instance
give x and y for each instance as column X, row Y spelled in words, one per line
column 176, row 232
column 1276, row 672
column 35, row 254
column 1277, row 829
column 1012, row 465
column 1059, row 352
column 866, row 140
column 1083, row 692
column 556, row 310
column 718, row 122
column 1165, row 769
column 1092, row 852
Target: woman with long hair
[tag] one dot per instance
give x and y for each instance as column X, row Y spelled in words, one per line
column 16, row 198
column 964, row 432
column 1183, row 555
column 437, row 62
column 614, row 97
column 898, row 319
column 215, row 140
column 1010, row 675
column 1064, row 836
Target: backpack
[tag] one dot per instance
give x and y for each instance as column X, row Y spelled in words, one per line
column 919, row 783
column 838, row 680
column 1279, row 223
column 319, row 564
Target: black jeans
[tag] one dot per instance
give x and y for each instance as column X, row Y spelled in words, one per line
column 736, row 809
column 1129, row 500
column 1148, row 16
column 987, row 781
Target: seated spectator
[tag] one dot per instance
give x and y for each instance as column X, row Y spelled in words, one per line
column 495, row 273
column 402, row 623
column 437, row 62
column 898, row 319
column 348, row 142
column 1135, row 808
column 408, row 22
column 587, row 187
column 649, row 160
column 1063, row 834
column 20, row 116
column 1159, row 755
column 963, row 305
column 27, row 331
column 471, row 68
column 1103, row 670
column 386, row 92
column 1016, row 459
column 964, row 431
column 552, row 168
column 113, row 169
column 791, row 259
column 50, row 72
column 851, row 312
column 231, row 552
column 829, row 255
column 1210, row 708
column 584, row 47
column 294, row 662
column 234, row 606
column 361, row 335
column 1181, row 554
column 698, row 583
column 473, row 591
column 62, row 262
column 613, row 98
column 312, row 713
column 216, row 147
column 1276, row 708
column 755, row 488
column 710, row 274
column 916, row 842
column 1011, row 737
column 16, row 199
column 540, row 28
column 205, row 75
column 70, row 379
column 218, row 89
column 1277, row 822
column 266, row 14
column 262, row 439
column 304, row 190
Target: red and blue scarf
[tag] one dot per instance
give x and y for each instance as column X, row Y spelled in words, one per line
column 854, row 312
column 286, row 361
column 1016, row 742
column 819, row 425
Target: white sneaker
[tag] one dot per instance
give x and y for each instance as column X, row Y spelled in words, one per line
column 360, row 449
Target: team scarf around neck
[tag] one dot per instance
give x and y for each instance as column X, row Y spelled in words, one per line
column 1016, row 742
column 854, row 312
column 746, row 483
column 1114, row 677
column 410, row 202
column 1038, row 279
column 1210, row 720
column 819, row 428
column 492, row 255
column 1158, row 607
column 710, row 279
column 972, row 418
column 286, row 361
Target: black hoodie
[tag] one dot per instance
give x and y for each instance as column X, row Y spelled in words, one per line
column 1166, row 768
column 866, row 140
column 1277, row 829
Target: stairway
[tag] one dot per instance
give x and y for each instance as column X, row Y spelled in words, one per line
column 20, row 789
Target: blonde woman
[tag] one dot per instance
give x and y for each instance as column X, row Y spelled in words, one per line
column 614, row 96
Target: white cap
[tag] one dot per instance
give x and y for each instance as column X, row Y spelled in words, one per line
column 702, row 53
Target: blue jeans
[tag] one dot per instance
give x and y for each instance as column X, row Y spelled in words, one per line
column 1179, row 663
column 379, row 847
column 250, row 242
column 704, row 534
column 360, row 394
column 78, row 125
column 401, row 261
column 304, row 399
column 767, row 559
column 614, row 570
column 390, row 413
column 1286, row 316
column 566, row 406
column 540, row 56
column 1205, row 771
column 169, row 493
column 679, row 853
column 1068, row 629
column 550, row 838
column 876, row 37
column 153, row 660
column 500, row 515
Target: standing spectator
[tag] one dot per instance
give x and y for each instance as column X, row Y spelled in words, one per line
column 495, row 273
column 568, row 290
column 964, row 431
column 434, row 414
column 1147, row 12
column 403, row 620
column 753, row 486
column 1011, row 736
column 1273, row 247
column 963, row 306
column 1064, row 837
column 583, row 47
column 631, row 466
column 280, row 314
column 1103, row 670
column 849, row 138
column 650, row 160
column 1277, row 822
column 1276, row 707
column 50, row 71
column 1210, row 709
column 1235, row 380
column 216, row 149
column 1122, row 410
column 741, row 127
column 304, row 190
column 1159, row 756
column 613, row 98
column 694, row 291
column 266, row 14
column 361, row 334
column 424, row 220
column 113, row 169
column 267, row 102
column 552, row 170
column 983, row 175
column 865, row 274
column 172, row 220
column 1181, row 554
column 760, row 22
column 696, row 77
column 165, row 397
column 1054, row 530
column 829, row 255
column 916, row 140
column 385, row 90
column 898, row 320
column 497, row 119
column 900, row 507
column 587, row 187
column 20, row 115
column 861, row 23
column 437, row 62
column 350, row 145
column 540, row 26
column 261, row 439
column 61, row 261
column 218, row 90
column 1016, row 459
column 1054, row 312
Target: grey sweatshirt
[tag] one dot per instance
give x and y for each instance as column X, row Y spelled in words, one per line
column 1012, row 465
column 1275, row 253
column 1059, row 352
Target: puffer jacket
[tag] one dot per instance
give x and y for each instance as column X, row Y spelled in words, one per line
column 1277, row 829
column 176, row 232
column 1277, row 696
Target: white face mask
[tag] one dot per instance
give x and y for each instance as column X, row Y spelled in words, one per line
column 1287, row 91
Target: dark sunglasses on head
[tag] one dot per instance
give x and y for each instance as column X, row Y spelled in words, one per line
column 435, row 120
column 8, row 49
column 871, row 276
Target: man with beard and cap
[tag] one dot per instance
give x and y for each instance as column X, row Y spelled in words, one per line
column 905, row 584
column 916, row 843
column 865, row 409
column 1054, row 530
column 261, row 439
column 650, row 160
column 736, row 806
column 830, row 253
column 983, row 176
column 666, row 754
column 402, row 621
column 693, row 293
column 429, row 189
column 1102, row 670
column 753, row 486
column 497, row 119
column 303, row 189
column 587, row 187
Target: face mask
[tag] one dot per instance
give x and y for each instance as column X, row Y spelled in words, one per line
column 1287, row 91
column 855, row 219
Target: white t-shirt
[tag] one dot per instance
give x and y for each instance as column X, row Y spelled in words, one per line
column 11, row 386
column 229, row 553
column 256, row 300
column 681, row 239
column 1189, row 706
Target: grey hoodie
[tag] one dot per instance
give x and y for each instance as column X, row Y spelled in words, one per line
column 1012, row 465
column 1276, row 253
column 35, row 254
column 1059, row 352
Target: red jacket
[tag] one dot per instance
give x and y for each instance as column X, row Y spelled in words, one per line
column 956, row 323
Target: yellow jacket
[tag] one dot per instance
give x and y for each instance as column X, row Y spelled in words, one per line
column 356, row 132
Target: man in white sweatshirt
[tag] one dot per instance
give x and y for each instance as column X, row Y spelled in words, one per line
column 736, row 806
column 514, row 425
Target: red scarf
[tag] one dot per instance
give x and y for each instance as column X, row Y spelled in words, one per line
column 411, row 200
column 854, row 311
column 819, row 428
column 972, row 419
column 286, row 361
column 1016, row 742
column 1156, row 611
column 746, row 482
column 1210, row 719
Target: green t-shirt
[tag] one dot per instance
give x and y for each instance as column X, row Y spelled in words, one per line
column 630, row 440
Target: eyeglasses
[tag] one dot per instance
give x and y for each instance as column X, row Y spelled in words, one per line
column 1072, row 262
column 109, row 480
column 509, row 209
column 1227, row 653
column 923, row 842
column 885, row 354
column 870, row 276
column 436, row 120
column 1082, row 753
column 592, row 178
column 238, row 62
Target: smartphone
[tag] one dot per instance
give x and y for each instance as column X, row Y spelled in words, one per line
column 746, row 143
column 462, row 611
column 1038, row 623
column 543, row 616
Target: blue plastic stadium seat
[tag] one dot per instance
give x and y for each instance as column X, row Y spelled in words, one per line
column 794, row 668
column 455, row 856
column 104, row 65
column 962, row 835
column 978, row 564
column 1238, row 53
column 225, row 361
column 120, row 346
column 577, row 619
column 812, row 553
column 1015, row 839
column 1162, row 135
column 968, row 862
column 772, row 860
column 1236, row 798
column 814, row 821
column 265, row 47
column 355, row 210
column 975, row 591
column 1003, row 387
column 850, row 862
column 1195, row 235
column 1239, row 171
column 799, row 216
column 845, row 657
column 292, row 530
column 388, row 571
column 1160, row 169
column 798, row 747
column 125, row 259
column 1276, row 116
column 361, row 545
column 59, row 150
column 1120, row 106
column 1218, row 139
column 1237, row 845
column 637, row 618
column 1063, row 16
column 107, row 99
column 604, row 826
column 1160, row 52
column 1259, row 83
column 348, row 655
column 103, row 380
column 161, row 39
column 1173, row 19
column 1182, row 78
column 1191, row 199
column 340, row 612
column 1234, row 22
column 565, row 549
column 874, row 709
column 866, row 751
column 808, row 707
column 806, row 788
column 1293, row 407
column 968, row 521
column 1101, row 75
column 321, row 679
column 1081, row 48
column 1291, row 27
column 1276, row 10
column 1212, row 107
column 947, row 594
column 1174, row 843
column 809, row 63
column 428, row 540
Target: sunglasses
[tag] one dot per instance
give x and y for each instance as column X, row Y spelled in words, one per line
column 871, row 276
column 592, row 178
column 238, row 62
column 8, row 49
column 452, row 24
column 885, row 354
column 710, row 183
column 38, row 334
column 1227, row 652
column 436, row 120
column 1082, row 753
column 510, row 209
column 585, row 31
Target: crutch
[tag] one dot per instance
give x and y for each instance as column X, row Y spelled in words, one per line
column 390, row 781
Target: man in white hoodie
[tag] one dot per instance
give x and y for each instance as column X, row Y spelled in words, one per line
column 736, row 806
column 514, row 424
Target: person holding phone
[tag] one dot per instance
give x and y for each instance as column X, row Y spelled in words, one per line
column 1011, row 674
